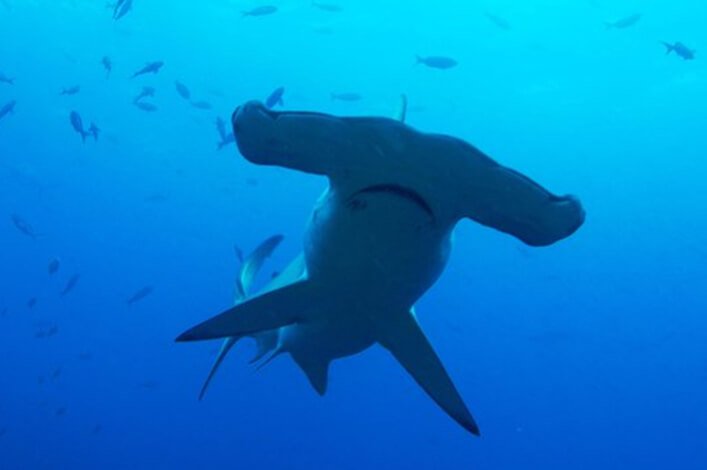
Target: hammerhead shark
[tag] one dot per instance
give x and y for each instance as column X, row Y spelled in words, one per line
column 378, row 238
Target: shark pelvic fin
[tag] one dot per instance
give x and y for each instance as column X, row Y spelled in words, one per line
column 281, row 307
column 264, row 343
column 401, row 335
column 316, row 370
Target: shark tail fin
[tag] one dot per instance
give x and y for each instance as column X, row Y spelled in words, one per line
column 228, row 343
column 401, row 335
column 668, row 47
column 316, row 370
column 275, row 309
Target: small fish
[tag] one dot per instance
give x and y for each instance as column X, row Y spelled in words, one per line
column 147, row 107
column 500, row 22
column 323, row 30
column 156, row 197
column 149, row 384
column 122, row 8
column 77, row 124
column 56, row 373
column 680, row 49
column 48, row 333
column 275, row 98
column 221, row 127
column 150, row 67
column 61, row 411
column 239, row 253
column 70, row 91
column 205, row 105
column 5, row 79
column 226, row 138
column 107, row 65
column 182, row 90
column 139, row 295
column 85, row 356
column 346, row 97
column 437, row 62
column 71, row 284
column 32, row 302
column 96, row 429
column 23, row 226
column 8, row 108
column 53, row 266
column 147, row 91
column 328, row 7
column 94, row 130
column 260, row 11
column 624, row 22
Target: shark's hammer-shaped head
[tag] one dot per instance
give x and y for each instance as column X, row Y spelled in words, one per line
column 454, row 179
column 304, row 141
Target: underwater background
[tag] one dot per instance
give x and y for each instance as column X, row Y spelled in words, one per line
column 591, row 353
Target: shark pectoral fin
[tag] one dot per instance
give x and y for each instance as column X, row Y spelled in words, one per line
column 272, row 310
column 402, row 336
column 228, row 343
column 316, row 370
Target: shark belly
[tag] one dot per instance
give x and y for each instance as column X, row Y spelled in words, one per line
column 374, row 252
column 377, row 248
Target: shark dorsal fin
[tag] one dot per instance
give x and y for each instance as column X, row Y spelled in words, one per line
column 402, row 110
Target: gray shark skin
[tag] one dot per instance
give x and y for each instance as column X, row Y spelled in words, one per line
column 378, row 238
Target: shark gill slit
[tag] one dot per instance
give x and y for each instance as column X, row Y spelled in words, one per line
column 400, row 191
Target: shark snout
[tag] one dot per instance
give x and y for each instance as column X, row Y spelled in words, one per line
column 252, row 113
column 256, row 133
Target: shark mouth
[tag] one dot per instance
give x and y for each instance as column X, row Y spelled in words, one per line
column 399, row 191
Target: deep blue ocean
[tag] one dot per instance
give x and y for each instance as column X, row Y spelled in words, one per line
column 590, row 353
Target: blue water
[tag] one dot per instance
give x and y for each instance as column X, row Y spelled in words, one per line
column 591, row 353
